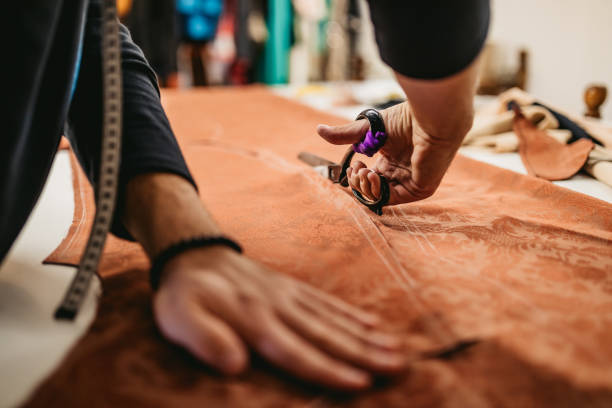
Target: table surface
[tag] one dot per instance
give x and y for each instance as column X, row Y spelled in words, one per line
column 32, row 343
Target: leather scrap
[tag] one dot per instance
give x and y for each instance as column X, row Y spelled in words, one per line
column 544, row 156
column 493, row 128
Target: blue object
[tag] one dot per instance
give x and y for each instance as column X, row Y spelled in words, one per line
column 77, row 65
column 187, row 6
column 199, row 18
column 77, row 68
column 211, row 8
column 199, row 28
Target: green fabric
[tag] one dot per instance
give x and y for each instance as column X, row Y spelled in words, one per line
column 275, row 67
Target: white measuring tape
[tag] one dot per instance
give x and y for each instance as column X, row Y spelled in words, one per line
column 106, row 191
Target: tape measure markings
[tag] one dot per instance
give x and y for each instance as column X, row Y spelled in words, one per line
column 109, row 165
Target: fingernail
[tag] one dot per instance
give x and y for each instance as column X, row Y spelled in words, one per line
column 322, row 127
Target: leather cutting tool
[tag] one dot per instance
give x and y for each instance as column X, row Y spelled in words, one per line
column 336, row 172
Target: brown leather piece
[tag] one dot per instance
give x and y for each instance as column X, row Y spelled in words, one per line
column 64, row 144
column 547, row 158
column 119, row 255
column 521, row 264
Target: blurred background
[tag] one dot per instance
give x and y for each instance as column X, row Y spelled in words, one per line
column 553, row 49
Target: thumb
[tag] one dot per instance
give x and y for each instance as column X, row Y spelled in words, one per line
column 345, row 134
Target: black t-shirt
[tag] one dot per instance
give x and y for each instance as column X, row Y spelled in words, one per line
column 430, row 39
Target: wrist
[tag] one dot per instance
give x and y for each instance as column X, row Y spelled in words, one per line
column 199, row 258
column 449, row 136
column 189, row 251
column 162, row 209
column 444, row 108
column 186, row 267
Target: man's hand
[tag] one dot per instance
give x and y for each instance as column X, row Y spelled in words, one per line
column 216, row 303
column 423, row 135
column 412, row 161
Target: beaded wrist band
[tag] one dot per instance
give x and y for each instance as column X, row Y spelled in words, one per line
column 198, row 242
column 376, row 136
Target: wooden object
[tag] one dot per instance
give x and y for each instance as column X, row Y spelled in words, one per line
column 594, row 97
column 123, row 7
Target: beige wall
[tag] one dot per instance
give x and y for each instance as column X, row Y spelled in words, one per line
column 569, row 44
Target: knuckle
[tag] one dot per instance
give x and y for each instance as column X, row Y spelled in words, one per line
column 248, row 298
column 214, row 281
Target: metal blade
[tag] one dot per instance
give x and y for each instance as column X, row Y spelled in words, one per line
column 314, row 160
column 323, row 171
column 324, row 167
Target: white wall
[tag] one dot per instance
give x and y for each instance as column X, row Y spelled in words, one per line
column 569, row 44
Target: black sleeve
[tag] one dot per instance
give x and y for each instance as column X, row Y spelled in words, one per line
column 148, row 144
column 429, row 39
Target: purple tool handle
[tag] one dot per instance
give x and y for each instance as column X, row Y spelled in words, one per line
column 371, row 143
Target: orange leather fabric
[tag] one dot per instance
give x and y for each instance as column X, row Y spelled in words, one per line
column 545, row 157
column 515, row 261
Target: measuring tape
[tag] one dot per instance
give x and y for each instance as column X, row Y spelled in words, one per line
column 106, row 191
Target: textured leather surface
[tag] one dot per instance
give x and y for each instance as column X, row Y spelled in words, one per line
column 545, row 157
column 521, row 264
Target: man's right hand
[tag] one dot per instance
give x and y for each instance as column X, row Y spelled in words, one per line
column 412, row 161
column 217, row 303
column 423, row 136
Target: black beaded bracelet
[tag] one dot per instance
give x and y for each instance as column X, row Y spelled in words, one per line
column 198, row 242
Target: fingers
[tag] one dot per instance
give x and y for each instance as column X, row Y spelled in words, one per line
column 341, row 344
column 311, row 334
column 285, row 348
column 351, row 326
column 204, row 335
column 364, row 180
column 254, row 319
column 374, row 184
column 364, row 184
column 352, row 175
column 345, row 134
column 350, row 311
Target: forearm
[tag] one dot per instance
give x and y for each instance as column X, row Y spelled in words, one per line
column 433, row 48
column 443, row 108
column 162, row 209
